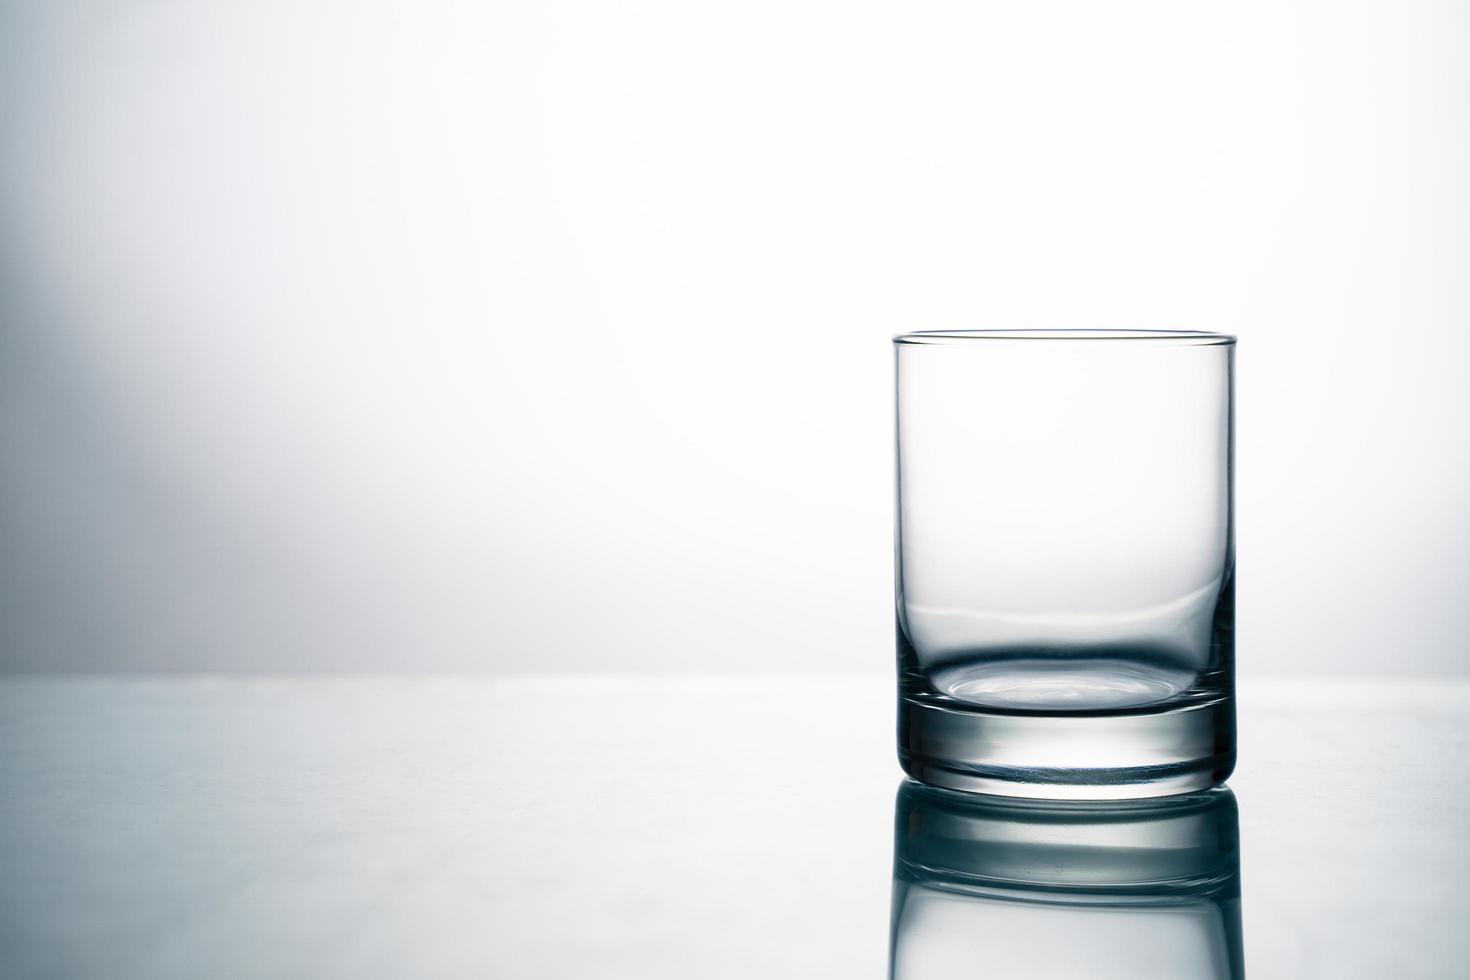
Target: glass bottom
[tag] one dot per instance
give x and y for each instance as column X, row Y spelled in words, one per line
column 1058, row 756
column 1072, row 683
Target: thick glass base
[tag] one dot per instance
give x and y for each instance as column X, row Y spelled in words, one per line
column 1060, row 756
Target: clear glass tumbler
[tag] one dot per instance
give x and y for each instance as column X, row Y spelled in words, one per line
column 1065, row 561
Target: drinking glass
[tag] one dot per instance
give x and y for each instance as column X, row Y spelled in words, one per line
column 1065, row 561
column 1041, row 889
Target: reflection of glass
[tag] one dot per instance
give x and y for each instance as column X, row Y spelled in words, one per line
column 995, row 887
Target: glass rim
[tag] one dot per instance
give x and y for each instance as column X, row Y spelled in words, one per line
column 1091, row 335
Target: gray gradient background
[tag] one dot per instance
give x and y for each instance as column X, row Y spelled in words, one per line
column 554, row 336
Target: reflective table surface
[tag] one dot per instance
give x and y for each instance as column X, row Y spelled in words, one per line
column 660, row 827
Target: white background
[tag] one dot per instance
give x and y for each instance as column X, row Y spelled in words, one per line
column 549, row 335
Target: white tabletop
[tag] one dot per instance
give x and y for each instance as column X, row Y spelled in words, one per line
column 657, row 827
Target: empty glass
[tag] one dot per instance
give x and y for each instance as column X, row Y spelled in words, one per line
column 1064, row 561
